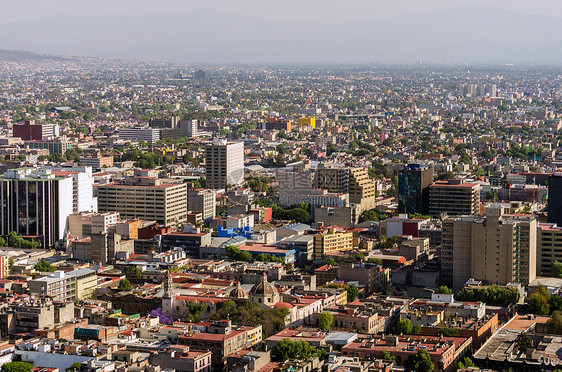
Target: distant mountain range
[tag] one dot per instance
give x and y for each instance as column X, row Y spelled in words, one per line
column 460, row 35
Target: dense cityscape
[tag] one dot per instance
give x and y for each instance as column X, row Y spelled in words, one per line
column 194, row 218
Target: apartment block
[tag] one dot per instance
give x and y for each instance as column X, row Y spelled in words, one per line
column 60, row 286
column 498, row 248
column 202, row 201
column 454, row 198
column 549, row 247
column 331, row 240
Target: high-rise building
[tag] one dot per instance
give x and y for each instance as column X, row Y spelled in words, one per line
column 189, row 128
column 555, row 198
column 83, row 199
column 146, row 198
column 454, row 197
column 413, row 188
column 353, row 181
column 549, row 247
column 497, row 248
column 35, row 203
column 224, row 164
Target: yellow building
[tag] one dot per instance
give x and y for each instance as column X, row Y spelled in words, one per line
column 307, row 120
column 331, row 240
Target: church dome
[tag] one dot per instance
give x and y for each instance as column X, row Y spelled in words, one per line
column 264, row 288
column 238, row 292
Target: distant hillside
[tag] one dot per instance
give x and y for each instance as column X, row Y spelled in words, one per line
column 18, row 55
column 460, row 35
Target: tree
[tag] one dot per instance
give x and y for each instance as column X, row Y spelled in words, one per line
column 443, row 289
column 557, row 269
column 448, row 332
column 416, row 330
column 74, row 367
column 368, row 215
column 554, row 324
column 404, row 326
column 419, row 362
column 375, row 261
column 163, row 317
column 329, row 261
column 325, row 321
column 465, row 363
column 287, row 349
column 44, row 266
column 523, row 342
column 352, row 293
column 385, row 355
column 124, row 284
column 539, row 301
column 16, row 367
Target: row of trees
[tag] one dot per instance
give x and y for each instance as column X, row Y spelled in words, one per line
column 493, row 294
column 17, row 241
column 249, row 313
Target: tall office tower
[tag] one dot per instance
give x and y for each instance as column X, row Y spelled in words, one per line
column 35, row 203
column 145, row 198
column 454, row 198
column 555, row 198
column 497, row 248
column 224, row 164
column 413, row 188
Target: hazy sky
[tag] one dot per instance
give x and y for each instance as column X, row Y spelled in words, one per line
column 318, row 11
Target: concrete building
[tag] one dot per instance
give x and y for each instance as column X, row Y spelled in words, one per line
column 181, row 359
column 331, row 240
column 202, row 201
column 35, row 203
column 454, row 198
column 295, row 186
column 101, row 247
column 60, row 286
column 497, row 248
column 54, row 146
column 150, row 135
column 413, row 188
column 145, row 198
column 353, row 181
column 340, row 216
column 97, row 161
column 224, row 164
column 83, row 199
column 549, row 247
